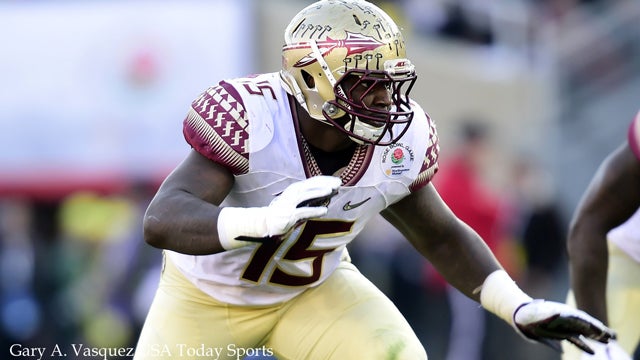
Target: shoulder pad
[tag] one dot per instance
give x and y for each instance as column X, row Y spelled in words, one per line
column 217, row 127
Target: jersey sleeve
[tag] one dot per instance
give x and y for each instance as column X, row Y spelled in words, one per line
column 634, row 135
column 430, row 160
column 216, row 126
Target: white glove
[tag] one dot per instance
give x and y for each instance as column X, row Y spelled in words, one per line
column 550, row 322
column 547, row 322
column 300, row 201
column 609, row 351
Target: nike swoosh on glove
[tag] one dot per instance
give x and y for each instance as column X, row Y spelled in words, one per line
column 550, row 322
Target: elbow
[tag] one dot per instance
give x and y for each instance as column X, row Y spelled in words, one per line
column 586, row 238
column 572, row 237
column 577, row 237
column 153, row 231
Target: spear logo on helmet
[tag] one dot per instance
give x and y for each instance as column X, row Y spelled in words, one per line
column 354, row 43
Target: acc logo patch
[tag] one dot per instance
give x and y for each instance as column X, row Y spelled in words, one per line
column 397, row 159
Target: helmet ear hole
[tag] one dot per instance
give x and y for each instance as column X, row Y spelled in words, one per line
column 308, row 79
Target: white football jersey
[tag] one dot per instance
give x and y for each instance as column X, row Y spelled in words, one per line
column 627, row 236
column 249, row 125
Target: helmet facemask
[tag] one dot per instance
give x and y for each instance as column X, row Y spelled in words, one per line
column 372, row 124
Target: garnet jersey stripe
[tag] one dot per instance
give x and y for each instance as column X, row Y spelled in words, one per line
column 430, row 162
column 217, row 126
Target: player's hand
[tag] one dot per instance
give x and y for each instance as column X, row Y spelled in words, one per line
column 550, row 322
column 298, row 202
column 609, row 351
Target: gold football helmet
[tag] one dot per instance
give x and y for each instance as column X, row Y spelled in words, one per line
column 332, row 40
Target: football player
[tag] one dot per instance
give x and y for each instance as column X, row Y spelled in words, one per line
column 286, row 169
column 604, row 248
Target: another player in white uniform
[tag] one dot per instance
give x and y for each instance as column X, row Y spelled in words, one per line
column 286, row 170
column 604, row 249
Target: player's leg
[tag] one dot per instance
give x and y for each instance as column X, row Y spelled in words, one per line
column 623, row 297
column 346, row 317
column 185, row 323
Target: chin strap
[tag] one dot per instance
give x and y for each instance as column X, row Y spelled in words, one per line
column 330, row 109
column 292, row 88
column 323, row 64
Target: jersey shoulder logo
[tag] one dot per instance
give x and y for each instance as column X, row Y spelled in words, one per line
column 397, row 159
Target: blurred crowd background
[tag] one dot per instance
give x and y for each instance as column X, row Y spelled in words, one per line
column 528, row 96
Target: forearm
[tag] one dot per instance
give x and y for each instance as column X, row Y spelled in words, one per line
column 452, row 246
column 182, row 224
column 463, row 259
column 612, row 197
column 476, row 272
column 180, row 221
column 588, row 259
